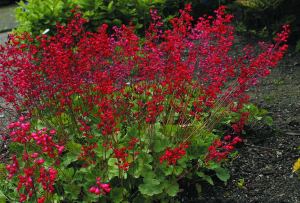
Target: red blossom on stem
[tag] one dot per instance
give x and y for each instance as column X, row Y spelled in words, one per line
column 47, row 178
column 219, row 150
column 173, row 155
column 34, row 163
column 122, row 154
column 100, row 188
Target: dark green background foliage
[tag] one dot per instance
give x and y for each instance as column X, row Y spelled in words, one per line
column 265, row 17
column 36, row 16
column 259, row 18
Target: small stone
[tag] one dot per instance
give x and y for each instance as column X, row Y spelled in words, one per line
column 268, row 169
column 278, row 153
column 292, row 133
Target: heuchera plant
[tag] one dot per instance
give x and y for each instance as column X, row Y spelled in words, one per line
column 117, row 117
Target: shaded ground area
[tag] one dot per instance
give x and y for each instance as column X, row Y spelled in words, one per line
column 3, row 37
column 263, row 170
column 7, row 18
column 7, row 114
column 7, row 21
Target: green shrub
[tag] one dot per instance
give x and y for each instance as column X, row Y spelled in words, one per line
column 36, row 16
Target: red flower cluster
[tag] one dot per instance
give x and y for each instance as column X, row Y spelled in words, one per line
column 20, row 132
column 100, row 188
column 33, row 167
column 26, row 181
column 12, row 168
column 88, row 153
column 122, row 154
column 46, row 142
column 173, row 155
column 97, row 66
column 47, row 178
column 219, row 150
column 239, row 126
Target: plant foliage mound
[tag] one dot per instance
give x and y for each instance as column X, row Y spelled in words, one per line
column 36, row 16
column 115, row 117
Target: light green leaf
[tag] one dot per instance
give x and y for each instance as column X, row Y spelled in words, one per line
column 222, row 174
column 178, row 170
column 150, row 187
column 159, row 145
column 113, row 169
column 73, row 147
column 142, row 164
column 110, row 7
column 72, row 189
column 172, row 188
column 205, row 177
column 2, row 197
column 268, row 120
column 116, row 194
column 66, row 173
column 168, row 170
column 73, row 151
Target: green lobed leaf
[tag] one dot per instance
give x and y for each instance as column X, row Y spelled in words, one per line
column 222, row 174
column 178, row 170
column 167, row 170
column 2, row 197
column 73, row 151
column 205, row 177
column 73, row 147
column 159, row 145
column 110, row 7
column 116, row 194
column 142, row 164
column 113, row 169
column 150, row 187
column 72, row 189
column 171, row 188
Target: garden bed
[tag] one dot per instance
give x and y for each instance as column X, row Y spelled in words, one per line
column 263, row 170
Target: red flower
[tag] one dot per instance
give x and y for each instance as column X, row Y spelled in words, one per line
column 173, row 155
column 41, row 199
column 101, row 188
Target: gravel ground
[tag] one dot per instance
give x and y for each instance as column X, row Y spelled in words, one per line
column 3, row 37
